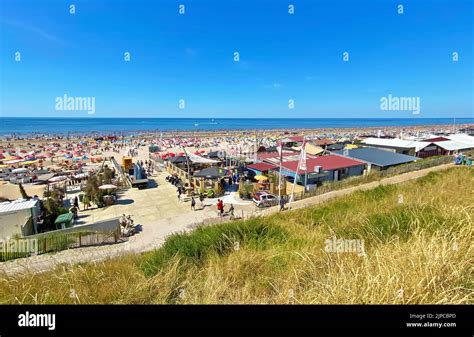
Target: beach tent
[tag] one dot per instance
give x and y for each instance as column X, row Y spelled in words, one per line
column 310, row 149
column 20, row 170
column 107, row 187
column 200, row 160
column 14, row 161
column 57, row 179
column 211, row 172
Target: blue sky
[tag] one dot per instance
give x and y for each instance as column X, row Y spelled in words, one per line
column 282, row 57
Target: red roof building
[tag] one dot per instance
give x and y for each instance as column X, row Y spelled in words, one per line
column 327, row 163
column 262, row 167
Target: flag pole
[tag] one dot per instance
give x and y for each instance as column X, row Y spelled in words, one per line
column 280, row 146
column 294, row 183
column 296, row 172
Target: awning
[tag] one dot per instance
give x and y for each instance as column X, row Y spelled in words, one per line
column 194, row 158
column 211, row 172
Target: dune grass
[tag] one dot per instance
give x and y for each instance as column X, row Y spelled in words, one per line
column 417, row 238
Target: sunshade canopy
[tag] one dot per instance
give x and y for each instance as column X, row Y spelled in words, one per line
column 211, row 172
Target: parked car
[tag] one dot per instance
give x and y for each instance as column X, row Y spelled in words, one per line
column 265, row 199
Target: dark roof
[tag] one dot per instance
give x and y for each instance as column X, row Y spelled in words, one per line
column 436, row 139
column 334, row 147
column 378, row 157
column 177, row 160
column 216, row 154
column 211, row 172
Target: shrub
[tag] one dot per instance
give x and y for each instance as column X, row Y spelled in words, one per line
column 219, row 239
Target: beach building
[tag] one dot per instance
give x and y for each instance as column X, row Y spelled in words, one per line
column 18, row 218
column 322, row 168
column 448, row 145
column 377, row 158
column 431, row 146
column 401, row 146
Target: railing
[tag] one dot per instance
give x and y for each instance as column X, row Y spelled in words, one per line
column 25, row 247
column 98, row 233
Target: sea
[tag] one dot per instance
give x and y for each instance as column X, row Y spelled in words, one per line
column 14, row 126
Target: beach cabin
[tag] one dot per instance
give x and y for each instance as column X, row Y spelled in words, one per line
column 376, row 158
column 401, row 146
column 18, row 218
column 322, row 168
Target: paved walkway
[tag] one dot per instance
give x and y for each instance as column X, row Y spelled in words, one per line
column 156, row 230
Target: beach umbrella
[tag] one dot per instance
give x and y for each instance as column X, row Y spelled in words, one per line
column 107, row 187
column 57, row 179
column 260, row 178
column 14, row 161
column 20, row 170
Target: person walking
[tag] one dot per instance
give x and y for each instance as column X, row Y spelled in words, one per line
column 201, row 199
column 193, row 203
column 282, row 203
column 221, row 208
column 231, row 211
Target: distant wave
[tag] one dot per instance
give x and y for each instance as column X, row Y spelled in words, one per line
column 16, row 125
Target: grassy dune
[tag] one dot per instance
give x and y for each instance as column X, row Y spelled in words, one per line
column 417, row 239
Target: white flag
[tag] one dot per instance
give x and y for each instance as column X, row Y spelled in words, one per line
column 280, row 150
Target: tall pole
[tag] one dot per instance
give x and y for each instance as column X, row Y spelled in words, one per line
column 187, row 163
column 294, row 183
column 280, row 145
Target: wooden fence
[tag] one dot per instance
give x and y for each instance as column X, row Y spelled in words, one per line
column 24, row 247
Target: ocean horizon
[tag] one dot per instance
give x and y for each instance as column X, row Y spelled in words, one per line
column 77, row 125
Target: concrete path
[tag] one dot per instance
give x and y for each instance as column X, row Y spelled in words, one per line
column 156, row 230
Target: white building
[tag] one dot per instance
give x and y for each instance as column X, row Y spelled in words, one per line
column 18, row 218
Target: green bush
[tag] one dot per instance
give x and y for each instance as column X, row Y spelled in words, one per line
column 219, row 239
